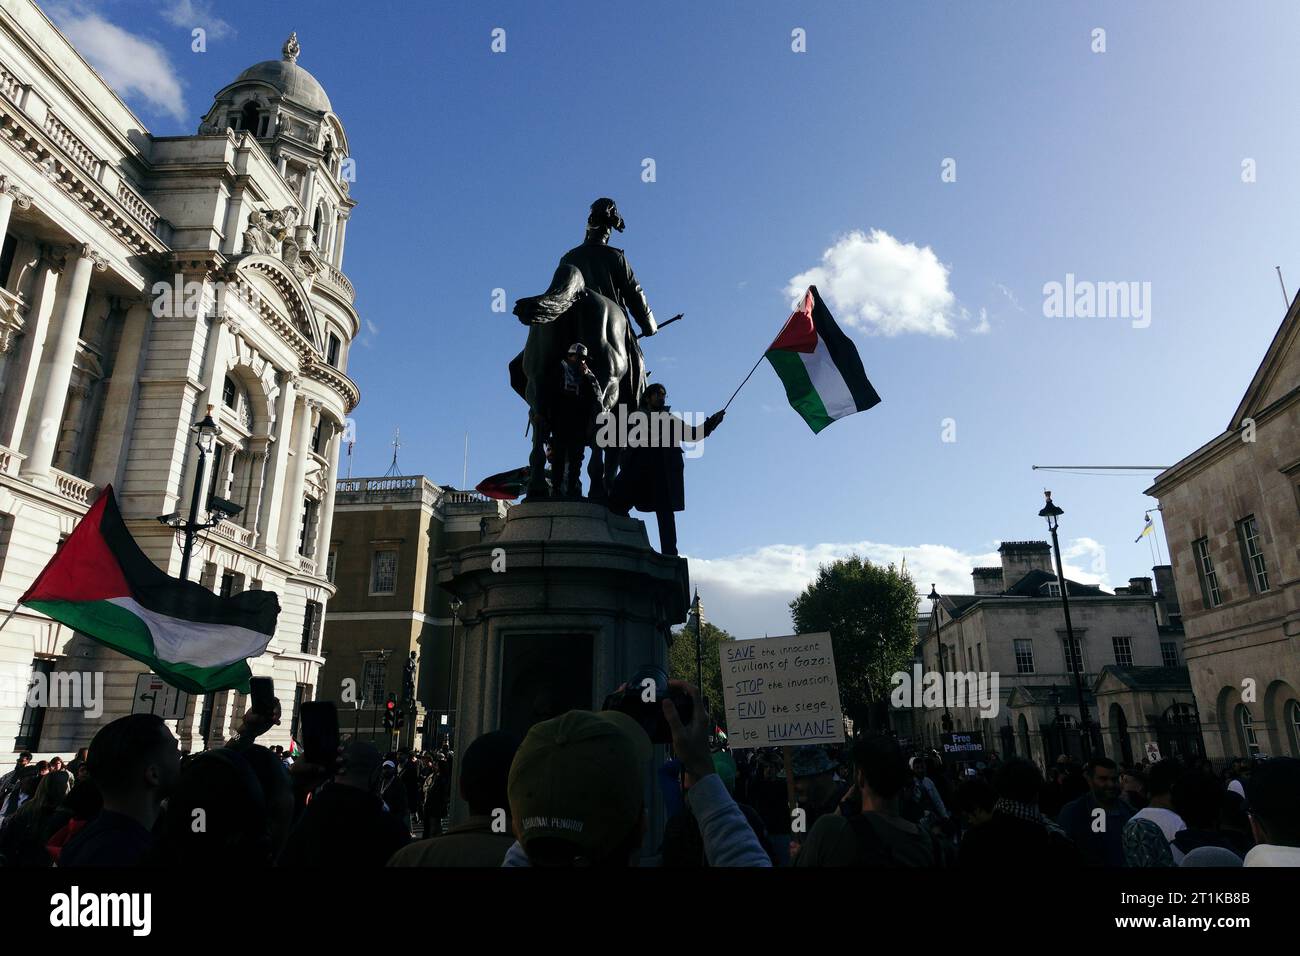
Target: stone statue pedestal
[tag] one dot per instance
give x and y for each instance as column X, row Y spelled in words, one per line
column 562, row 602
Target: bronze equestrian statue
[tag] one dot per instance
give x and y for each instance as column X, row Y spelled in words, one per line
column 589, row 299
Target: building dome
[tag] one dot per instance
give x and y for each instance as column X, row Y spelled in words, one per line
column 289, row 78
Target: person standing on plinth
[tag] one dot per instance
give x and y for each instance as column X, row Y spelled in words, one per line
column 652, row 467
column 570, row 413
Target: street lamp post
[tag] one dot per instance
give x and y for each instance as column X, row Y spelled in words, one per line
column 1052, row 513
column 451, row 660
column 206, row 432
column 943, row 657
column 1054, row 698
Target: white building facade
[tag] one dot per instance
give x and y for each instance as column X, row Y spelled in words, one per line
column 143, row 280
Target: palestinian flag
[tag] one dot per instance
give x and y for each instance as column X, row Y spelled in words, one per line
column 505, row 486
column 100, row 583
column 819, row 366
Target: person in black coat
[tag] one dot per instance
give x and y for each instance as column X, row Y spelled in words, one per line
column 346, row 825
column 1018, row 834
column 651, row 472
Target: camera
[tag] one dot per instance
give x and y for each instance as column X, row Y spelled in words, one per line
column 640, row 698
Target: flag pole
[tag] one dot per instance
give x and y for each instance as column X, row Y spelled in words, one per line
column 9, row 617
column 742, row 384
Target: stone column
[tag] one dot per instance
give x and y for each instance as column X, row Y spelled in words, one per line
column 114, row 437
column 22, row 378
column 214, row 377
column 342, row 237
column 326, row 522
column 10, row 194
column 258, row 447
column 268, row 526
column 305, row 414
column 49, row 407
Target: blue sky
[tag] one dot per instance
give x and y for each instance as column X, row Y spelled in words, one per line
column 475, row 170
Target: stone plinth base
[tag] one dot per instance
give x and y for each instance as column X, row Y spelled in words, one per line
column 561, row 603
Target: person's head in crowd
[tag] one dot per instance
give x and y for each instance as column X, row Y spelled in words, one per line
column 135, row 763
column 1133, row 788
column 1102, row 775
column 1198, row 798
column 917, row 766
column 1273, row 795
column 361, row 767
column 1215, row 856
column 23, row 760
column 814, row 776
column 49, row 792
column 42, row 767
column 880, row 773
column 577, row 789
column 1236, row 768
column 485, row 772
column 1160, row 783
column 1233, row 817
column 277, row 791
column 1019, row 781
column 56, row 764
column 216, row 815
column 975, row 799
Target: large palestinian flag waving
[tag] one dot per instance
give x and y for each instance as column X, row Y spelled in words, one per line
column 819, row 366
column 100, row 583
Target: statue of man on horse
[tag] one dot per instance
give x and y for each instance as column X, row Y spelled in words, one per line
column 589, row 300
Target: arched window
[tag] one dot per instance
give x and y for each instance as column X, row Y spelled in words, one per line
column 1249, row 740
column 329, row 154
column 249, row 116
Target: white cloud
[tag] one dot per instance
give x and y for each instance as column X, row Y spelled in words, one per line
column 984, row 325
column 189, row 14
column 130, row 64
column 1011, row 296
column 749, row 594
column 879, row 284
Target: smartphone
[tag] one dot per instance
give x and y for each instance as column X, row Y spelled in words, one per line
column 262, row 694
column 319, row 723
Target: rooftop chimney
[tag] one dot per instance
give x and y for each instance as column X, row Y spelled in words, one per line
column 987, row 580
column 1021, row 557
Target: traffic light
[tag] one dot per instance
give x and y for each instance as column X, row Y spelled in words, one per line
column 408, row 683
column 390, row 713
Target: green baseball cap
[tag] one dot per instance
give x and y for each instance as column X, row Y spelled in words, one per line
column 580, row 777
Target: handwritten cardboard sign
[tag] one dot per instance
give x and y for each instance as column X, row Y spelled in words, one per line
column 781, row 691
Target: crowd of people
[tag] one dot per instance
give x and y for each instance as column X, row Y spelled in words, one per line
column 573, row 792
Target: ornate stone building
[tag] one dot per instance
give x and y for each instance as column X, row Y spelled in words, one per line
column 1231, row 513
column 145, row 279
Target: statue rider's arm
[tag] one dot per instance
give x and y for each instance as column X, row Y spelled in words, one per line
column 635, row 300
